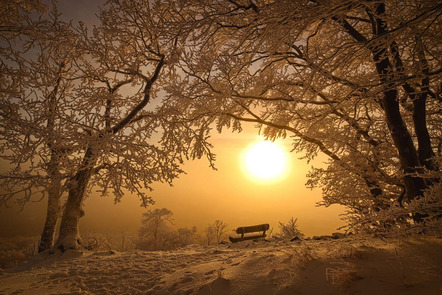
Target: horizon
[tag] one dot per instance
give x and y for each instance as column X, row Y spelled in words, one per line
column 229, row 195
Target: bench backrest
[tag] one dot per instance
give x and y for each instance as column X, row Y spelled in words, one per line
column 252, row 229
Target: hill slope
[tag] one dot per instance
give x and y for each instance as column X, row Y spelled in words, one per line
column 345, row 266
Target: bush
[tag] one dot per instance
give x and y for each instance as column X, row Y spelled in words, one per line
column 16, row 250
column 290, row 230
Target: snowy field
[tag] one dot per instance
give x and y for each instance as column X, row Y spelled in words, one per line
column 345, row 266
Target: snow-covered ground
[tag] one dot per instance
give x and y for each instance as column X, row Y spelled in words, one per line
column 345, row 266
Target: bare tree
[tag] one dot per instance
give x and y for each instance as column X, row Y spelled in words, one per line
column 215, row 231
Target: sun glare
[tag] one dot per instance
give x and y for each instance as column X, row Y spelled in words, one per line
column 265, row 160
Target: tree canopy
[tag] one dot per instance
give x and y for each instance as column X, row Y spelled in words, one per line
column 356, row 80
column 84, row 113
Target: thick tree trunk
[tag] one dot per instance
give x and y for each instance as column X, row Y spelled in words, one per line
column 410, row 164
column 425, row 151
column 69, row 237
column 54, row 191
column 414, row 184
column 419, row 99
column 52, row 215
column 53, row 208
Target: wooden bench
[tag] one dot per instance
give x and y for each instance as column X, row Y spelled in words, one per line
column 243, row 230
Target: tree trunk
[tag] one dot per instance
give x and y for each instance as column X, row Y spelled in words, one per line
column 53, row 208
column 425, row 150
column 419, row 99
column 68, row 237
column 52, row 215
column 403, row 142
column 414, row 184
column 54, row 191
column 423, row 137
column 155, row 234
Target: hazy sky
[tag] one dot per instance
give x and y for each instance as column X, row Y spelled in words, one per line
column 202, row 195
column 228, row 194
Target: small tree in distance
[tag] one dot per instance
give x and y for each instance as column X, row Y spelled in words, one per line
column 215, row 231
column 157, row 234
column 154, row 226
column 290, row 230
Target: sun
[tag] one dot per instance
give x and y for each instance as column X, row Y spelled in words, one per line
column 265, row 160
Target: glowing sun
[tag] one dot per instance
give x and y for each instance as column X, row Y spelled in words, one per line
column 265, row 160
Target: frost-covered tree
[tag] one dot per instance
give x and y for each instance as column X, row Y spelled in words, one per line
column 179, row 238
column 154, row 228
column 128, row 139
column 38, row 72
column 357, row 81
column 157, row 234
column 87, row 113
column 215, row 232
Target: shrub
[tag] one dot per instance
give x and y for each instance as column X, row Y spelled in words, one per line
column 289, row 230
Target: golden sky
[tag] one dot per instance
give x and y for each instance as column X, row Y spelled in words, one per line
column 203, row 195
column 229, row 194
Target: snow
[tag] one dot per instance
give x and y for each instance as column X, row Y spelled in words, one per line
column 344, row 266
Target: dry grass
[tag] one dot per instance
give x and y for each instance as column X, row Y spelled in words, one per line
column 341, row 275
column 16, row 250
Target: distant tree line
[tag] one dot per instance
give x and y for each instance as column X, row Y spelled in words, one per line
column 156, row 232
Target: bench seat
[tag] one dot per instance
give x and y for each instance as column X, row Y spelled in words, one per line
column 244, row 232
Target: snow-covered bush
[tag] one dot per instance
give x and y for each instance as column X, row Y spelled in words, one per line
column 289, row 230
column 398, row 219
